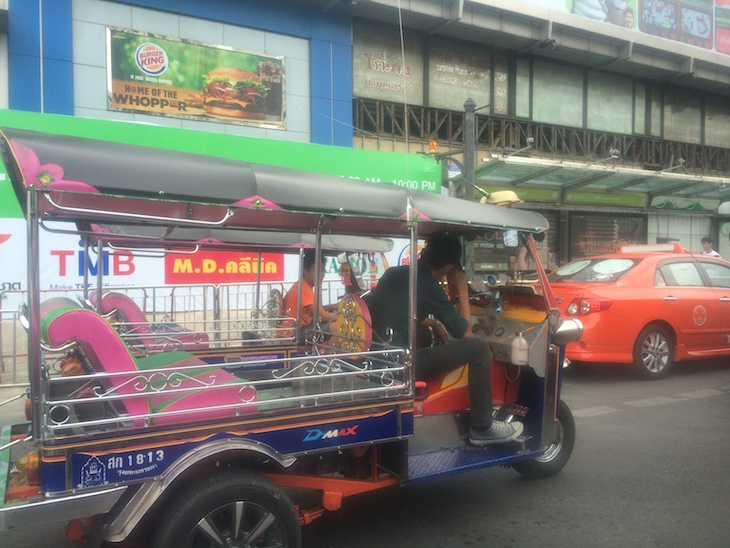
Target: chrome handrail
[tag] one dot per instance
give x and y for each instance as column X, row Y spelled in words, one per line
column 118, row 215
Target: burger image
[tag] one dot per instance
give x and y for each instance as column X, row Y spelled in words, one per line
column 234, row 93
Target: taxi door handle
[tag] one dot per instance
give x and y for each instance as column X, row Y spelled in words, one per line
column 670, row 298
column 725, row 299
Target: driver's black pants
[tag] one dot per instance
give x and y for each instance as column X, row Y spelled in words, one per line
column 436, row 360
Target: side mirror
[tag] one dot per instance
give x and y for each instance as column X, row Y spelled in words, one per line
column 568, row 332
column 23, row 316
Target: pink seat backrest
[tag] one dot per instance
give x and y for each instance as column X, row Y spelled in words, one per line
column 127, row 309
column 58, row 302
column 106, row 352
column 103, row 348
column 151, row 336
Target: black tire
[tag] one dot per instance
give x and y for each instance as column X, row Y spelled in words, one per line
column 556, row 454
column 215, row 507
column 653, row 352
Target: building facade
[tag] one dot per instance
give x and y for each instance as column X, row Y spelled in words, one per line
column 608, row 117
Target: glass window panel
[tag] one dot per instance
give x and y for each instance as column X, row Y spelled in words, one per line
column 719, row 274
column 558, row 97
column 682, row 275
column 656, row 113
column 610, row 103
column 522, row 93
column 640, row 109
column 717, row 120
column 682, row 116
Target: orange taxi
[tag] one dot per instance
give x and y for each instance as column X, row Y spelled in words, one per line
column 649, row 306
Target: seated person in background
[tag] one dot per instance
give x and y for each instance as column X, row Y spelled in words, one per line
column 389, row 309
column 291, row 297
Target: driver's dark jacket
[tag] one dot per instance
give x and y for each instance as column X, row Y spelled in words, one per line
column 388, row 304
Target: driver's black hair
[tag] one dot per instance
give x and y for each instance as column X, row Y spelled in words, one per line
column 441, row 249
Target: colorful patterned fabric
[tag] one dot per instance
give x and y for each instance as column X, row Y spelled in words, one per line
column 147, row 393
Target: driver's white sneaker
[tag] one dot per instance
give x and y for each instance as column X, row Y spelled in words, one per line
column 500, row 432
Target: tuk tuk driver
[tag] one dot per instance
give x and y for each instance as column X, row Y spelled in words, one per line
column 388, row 306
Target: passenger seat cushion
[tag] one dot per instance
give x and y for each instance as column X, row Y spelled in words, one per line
column 106, row 352
column 194, row 373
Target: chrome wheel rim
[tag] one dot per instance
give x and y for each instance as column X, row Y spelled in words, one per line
column 553, row 450
column 238, row 524
column 655, row 352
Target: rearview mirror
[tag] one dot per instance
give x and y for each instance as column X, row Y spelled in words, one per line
column 569, row 331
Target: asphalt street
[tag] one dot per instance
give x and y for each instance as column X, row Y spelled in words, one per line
column 650, row 468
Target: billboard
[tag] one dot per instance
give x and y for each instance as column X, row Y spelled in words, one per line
column 699, row 23
column 153, row 74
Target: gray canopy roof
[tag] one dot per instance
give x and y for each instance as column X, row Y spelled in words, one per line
column 195, row 187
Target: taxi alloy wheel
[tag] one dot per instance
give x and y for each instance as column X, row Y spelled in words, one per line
column 653, row 352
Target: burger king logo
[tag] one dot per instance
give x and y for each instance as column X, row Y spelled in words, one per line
column 151, row 59
column 404, row 257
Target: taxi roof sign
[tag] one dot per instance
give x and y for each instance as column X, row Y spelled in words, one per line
column 654, row 248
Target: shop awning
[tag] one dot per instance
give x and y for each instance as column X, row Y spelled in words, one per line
column 572, row 182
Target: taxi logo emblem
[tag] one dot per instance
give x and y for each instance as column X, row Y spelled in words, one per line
column 699, row 315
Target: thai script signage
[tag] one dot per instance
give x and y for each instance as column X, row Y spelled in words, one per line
column 593, row 234
column 457, row 72
column 380, row 68
column 184, row 79
column 216, row 267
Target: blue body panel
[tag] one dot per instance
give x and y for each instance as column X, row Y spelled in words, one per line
column 96, row 468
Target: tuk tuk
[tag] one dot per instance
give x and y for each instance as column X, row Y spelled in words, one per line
column 238, row 430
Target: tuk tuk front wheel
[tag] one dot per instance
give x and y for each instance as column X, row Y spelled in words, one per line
column 230, row 509
column 556, row 454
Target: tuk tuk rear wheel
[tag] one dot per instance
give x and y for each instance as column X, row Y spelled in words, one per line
column 556, row 455
column 231, row 509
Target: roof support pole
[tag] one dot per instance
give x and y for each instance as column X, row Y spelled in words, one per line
column 470, row 137
column 469, row 146
column 38, row 388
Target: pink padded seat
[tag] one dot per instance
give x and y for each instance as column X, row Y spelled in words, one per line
column 106, row 352
column 152, row 336
column 58, row 302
